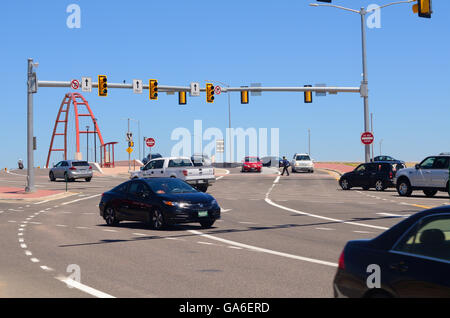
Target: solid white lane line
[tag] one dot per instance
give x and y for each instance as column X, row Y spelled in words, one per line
column 235, row 247
column 263, row 250
column 109, row 230
column 84, row 288
column 324, row 229
column 362, row 232
column 324, row 217
column 395, row 215
column 139, row 234
column 277, row 179
column 85, row 198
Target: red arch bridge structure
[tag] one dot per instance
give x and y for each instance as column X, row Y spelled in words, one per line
column 81, row 108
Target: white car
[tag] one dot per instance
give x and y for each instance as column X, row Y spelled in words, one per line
column 302, row 162
column 177, row 167
column 430, row 176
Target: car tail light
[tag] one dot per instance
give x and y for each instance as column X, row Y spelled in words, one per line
column 185, row 172
column 341, row 261
column 391, row 175
column 72, row 168
column 90, row 167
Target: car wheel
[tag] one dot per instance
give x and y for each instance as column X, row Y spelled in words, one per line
column 345, row 185
column 430, row 193
column 404, row 188
column 88, row 179
column 202, row 188
column 52, row 176
column 365, row 188
column 157, row 221
column 110, row 216
column 207, row 224
column 379, row 185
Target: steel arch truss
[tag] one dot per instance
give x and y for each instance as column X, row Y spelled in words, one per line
column 76, row 100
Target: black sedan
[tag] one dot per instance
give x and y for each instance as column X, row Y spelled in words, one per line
column 412, row 260
column 158, row 202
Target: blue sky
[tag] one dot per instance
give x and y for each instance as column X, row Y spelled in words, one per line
column 283, row 43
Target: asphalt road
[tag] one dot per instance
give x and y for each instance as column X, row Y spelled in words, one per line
column 278, row 237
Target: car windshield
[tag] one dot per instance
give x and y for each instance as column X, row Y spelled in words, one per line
column 180, row 163
column 302, row 158
column 80, row 164
column 172, row 186
column 251, row 159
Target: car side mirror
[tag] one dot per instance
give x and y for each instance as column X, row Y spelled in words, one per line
column 417, row 166
column 141, row 168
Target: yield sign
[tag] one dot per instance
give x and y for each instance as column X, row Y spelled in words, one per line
column 367, row 138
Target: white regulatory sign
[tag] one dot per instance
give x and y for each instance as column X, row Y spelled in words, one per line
column 86, row 84
column 137, row 86
column 195, row 89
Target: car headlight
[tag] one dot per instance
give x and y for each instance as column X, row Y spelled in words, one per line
column 297, row 164
column 176, row 204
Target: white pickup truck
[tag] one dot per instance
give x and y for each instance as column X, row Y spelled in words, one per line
column 177, row 167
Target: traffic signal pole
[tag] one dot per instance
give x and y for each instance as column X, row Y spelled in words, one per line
column 365, row 83
column 30, row 149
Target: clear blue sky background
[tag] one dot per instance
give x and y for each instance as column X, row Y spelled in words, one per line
column 276, row 43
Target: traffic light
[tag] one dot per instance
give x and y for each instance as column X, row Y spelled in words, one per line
column 308, row 95
column 209, row 93
column 244, row 96
column 182, row 98
column 102, row 85
column 131, row 144
column 153, row 88
column 423, row 8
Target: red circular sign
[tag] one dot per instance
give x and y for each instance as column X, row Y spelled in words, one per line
column 367, row 138
column 217, row 90
column 75, row 84
column 150, row 142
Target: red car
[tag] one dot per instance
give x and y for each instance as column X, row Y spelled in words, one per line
column 251, row 164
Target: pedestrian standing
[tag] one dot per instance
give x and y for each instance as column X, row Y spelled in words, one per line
column 286, row 164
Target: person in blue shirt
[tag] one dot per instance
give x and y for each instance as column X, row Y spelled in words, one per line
column 286, row 164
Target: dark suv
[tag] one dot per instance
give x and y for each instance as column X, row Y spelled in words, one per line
column 378, row 175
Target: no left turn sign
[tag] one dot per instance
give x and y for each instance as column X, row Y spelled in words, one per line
column 217, row 90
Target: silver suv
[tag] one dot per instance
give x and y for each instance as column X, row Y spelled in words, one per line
column 71, row 170
column 430, row 176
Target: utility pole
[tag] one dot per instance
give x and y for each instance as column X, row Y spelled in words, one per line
column 95, row 139
column 87, row 143
column 371, row 128
column 129, row 154
column 309, row 142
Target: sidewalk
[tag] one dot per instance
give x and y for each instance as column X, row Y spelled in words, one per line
column 337, row 167
column 14, row 194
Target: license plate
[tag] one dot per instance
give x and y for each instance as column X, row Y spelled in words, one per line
column 202, row 213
